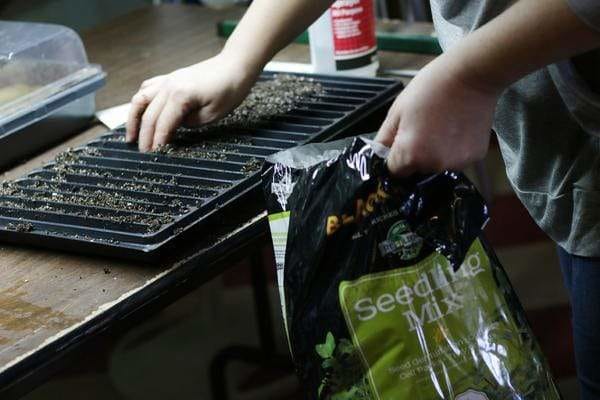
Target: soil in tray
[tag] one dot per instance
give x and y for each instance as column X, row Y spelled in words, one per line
column 22, row 227
column 218, row 139
column 70, row 162
column 143, row 182
column 104, row 205
column 214, row 153
column 252, row 166
column 267, row 99
column 153, row 222
column 107, row 206
column 85, row 197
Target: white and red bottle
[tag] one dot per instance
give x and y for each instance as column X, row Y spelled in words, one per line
column 343, row 39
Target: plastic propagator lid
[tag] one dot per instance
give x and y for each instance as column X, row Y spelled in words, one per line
column 42, row 67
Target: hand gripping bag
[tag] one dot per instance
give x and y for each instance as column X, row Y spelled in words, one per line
column 388, row 289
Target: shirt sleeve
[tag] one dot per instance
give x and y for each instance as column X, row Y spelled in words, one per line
column 588, row 11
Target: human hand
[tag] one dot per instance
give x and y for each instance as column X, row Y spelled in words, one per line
column 191, row 96
column 441, row 121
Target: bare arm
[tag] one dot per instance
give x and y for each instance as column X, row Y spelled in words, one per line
column 270, row 25
column 443, row 118
column 206, row 91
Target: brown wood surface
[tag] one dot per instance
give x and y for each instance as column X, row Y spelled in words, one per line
column 45, row 294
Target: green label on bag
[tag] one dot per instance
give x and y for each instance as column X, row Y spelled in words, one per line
column 428, row 332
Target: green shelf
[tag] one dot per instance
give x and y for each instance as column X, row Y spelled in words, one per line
column 388, row 41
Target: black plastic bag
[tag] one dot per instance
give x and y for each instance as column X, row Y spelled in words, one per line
column 388, row 289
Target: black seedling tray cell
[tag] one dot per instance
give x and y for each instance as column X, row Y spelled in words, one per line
column 107, row 198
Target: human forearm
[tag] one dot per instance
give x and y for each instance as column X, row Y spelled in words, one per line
column 204, row 92
column 526, row 37
column 267, row 27
column 470, row 78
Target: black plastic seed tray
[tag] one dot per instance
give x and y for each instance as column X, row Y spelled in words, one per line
column 107, row 198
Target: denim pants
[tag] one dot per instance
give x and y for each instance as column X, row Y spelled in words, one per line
column 582, row 279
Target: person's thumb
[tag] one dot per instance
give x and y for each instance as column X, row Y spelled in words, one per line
column 399, row 160
column 389, row 128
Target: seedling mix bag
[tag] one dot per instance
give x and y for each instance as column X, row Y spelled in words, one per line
column 388, row 289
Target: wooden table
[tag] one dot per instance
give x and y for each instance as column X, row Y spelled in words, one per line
column 53, row 302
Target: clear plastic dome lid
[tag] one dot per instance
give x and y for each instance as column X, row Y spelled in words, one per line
column 32, row 41
column 39, row 62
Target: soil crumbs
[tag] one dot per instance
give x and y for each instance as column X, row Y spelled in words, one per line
column 267, row 99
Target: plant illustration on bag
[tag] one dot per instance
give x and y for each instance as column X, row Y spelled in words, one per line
column 345, row 377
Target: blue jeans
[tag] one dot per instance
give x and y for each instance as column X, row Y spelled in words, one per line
column 582, row 279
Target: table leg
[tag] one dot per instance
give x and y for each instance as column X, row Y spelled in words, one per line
column 263, row 356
